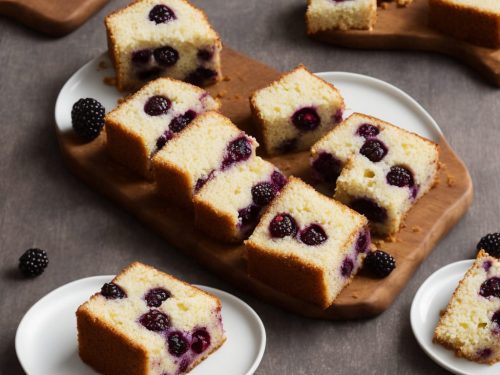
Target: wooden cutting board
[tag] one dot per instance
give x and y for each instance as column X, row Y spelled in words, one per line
column 53, row 17
column 407, row 28
column 426, row 223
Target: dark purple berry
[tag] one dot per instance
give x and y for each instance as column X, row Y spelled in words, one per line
column 368, row 131
column 200, row 341
column 490, row 288
column 177, row 344
column 201, row 76
column 374, row 150
column 283, row 225
column 363, row 241
column 203, row 180
column 306, row 119
column 87, row 118
column 347, row 267
column 370, row 209
column 487, row 265
column 161, row 14
column 263, row 193
column 166, row 56
column 181, row 121
column 400, row 176
column 141, row 57
column 338, row 116
column 157, row 105
column 112, row 291
column 379, row 263
column 327, row 167
column 278, row 180
column 33, row 262
column 155, row 320
column 238, row 150
column 184, row 365
column 155, row 297
column 205, row 54
column 313, row 235
column 484, row 353
column 249, row 215
column 491, row 244
column 163, row 139
column 288, row 145
column 496, row 318
column 149, row 74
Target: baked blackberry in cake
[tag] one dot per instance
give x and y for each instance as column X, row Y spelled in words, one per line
column 142, row 125
column 228, row 208
column 470, row 325
column 212, row 144
column 378, row 169
column 295, row 111
column 322, row 15
column 158, row 38
column 475, row 21
column 307, row 245
column 148, row 322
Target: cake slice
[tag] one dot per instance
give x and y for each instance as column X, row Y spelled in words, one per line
column 141, row 125
column 307, row 245
column 228, row 208
column 212, row 144
column 383, row 169
column 470, row 325
column 295, row 111
column 157, row 38
column 322, row 15
column 475, row 21
column 148, row 322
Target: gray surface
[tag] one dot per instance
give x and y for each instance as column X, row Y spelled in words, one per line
column 42, row 204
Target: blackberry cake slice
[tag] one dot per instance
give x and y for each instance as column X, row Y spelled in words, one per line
column 157, row 38
column 228, row 208
column 383, row 169
column 212, row 144
column 322, row 15
column 148, row 322
column 142, row 125
column 307, row 245
column 295, row 111
column 470, row 325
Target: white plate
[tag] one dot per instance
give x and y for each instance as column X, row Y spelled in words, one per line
column 46, row 339
column 361, row 93
column 432, row 297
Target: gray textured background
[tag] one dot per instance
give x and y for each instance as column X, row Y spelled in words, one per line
column 42, row 204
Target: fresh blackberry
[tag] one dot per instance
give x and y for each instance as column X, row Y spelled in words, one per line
column 380, row 263
column 283, row 225
column 491, row 244
column 33, row 262
column 112, row 291
column 263, row 193
column 87, row 118
column 400, row 176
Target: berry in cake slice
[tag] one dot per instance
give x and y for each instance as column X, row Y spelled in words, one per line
column 158, row 38
column 307, row 245
column 228, row 208
column 148, row 322
column 322, row 15
column 212, row 144
column 470, row 325
column 383, row 169
column 145, row 122
column 295, row 111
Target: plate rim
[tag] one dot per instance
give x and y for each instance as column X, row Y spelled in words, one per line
column 262, row 331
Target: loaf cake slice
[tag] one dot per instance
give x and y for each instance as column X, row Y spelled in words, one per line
column 212, row 144
column 141, row 125
column 307, row 245
column 470, row 325
column 157, row 38
column 475, row 21
column 228, row 208
column 383, row 169
column 148, row 322
column 324, row 15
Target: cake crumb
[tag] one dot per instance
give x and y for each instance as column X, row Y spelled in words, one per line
column 237, row 97
column 355, row 296
column 110, row 81
column 451, row 180
column 226, row 78
column 221, row 94
column 102, row 65
column 416, row 229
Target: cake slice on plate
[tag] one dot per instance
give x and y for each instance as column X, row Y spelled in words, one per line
column 148, row 322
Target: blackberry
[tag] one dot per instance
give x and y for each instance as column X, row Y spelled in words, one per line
column 400, row 176
column 380, row 263
column 161, row 14
column 180, row 122
column 87, row 118
column 283, row 225
column 306, row 119
column 201, row 76
column 33, row 262
column 313, row 235
column 491, row 244
column 263, row 193
column 238, row 150
column 368, row 131
column 155, row 297
column 177, row 344
column 166, row 56
column 200, row 341
column 155, row 320
column 374, row 150
column 112, row 291
column 490, row 288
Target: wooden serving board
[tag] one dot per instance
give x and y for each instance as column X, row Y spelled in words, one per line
column 53, row 17
column 426, row 223
column 408, row 28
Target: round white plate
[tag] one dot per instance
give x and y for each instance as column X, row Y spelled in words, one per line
column 46, row 339
column 361, row 93
column 432, row 297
